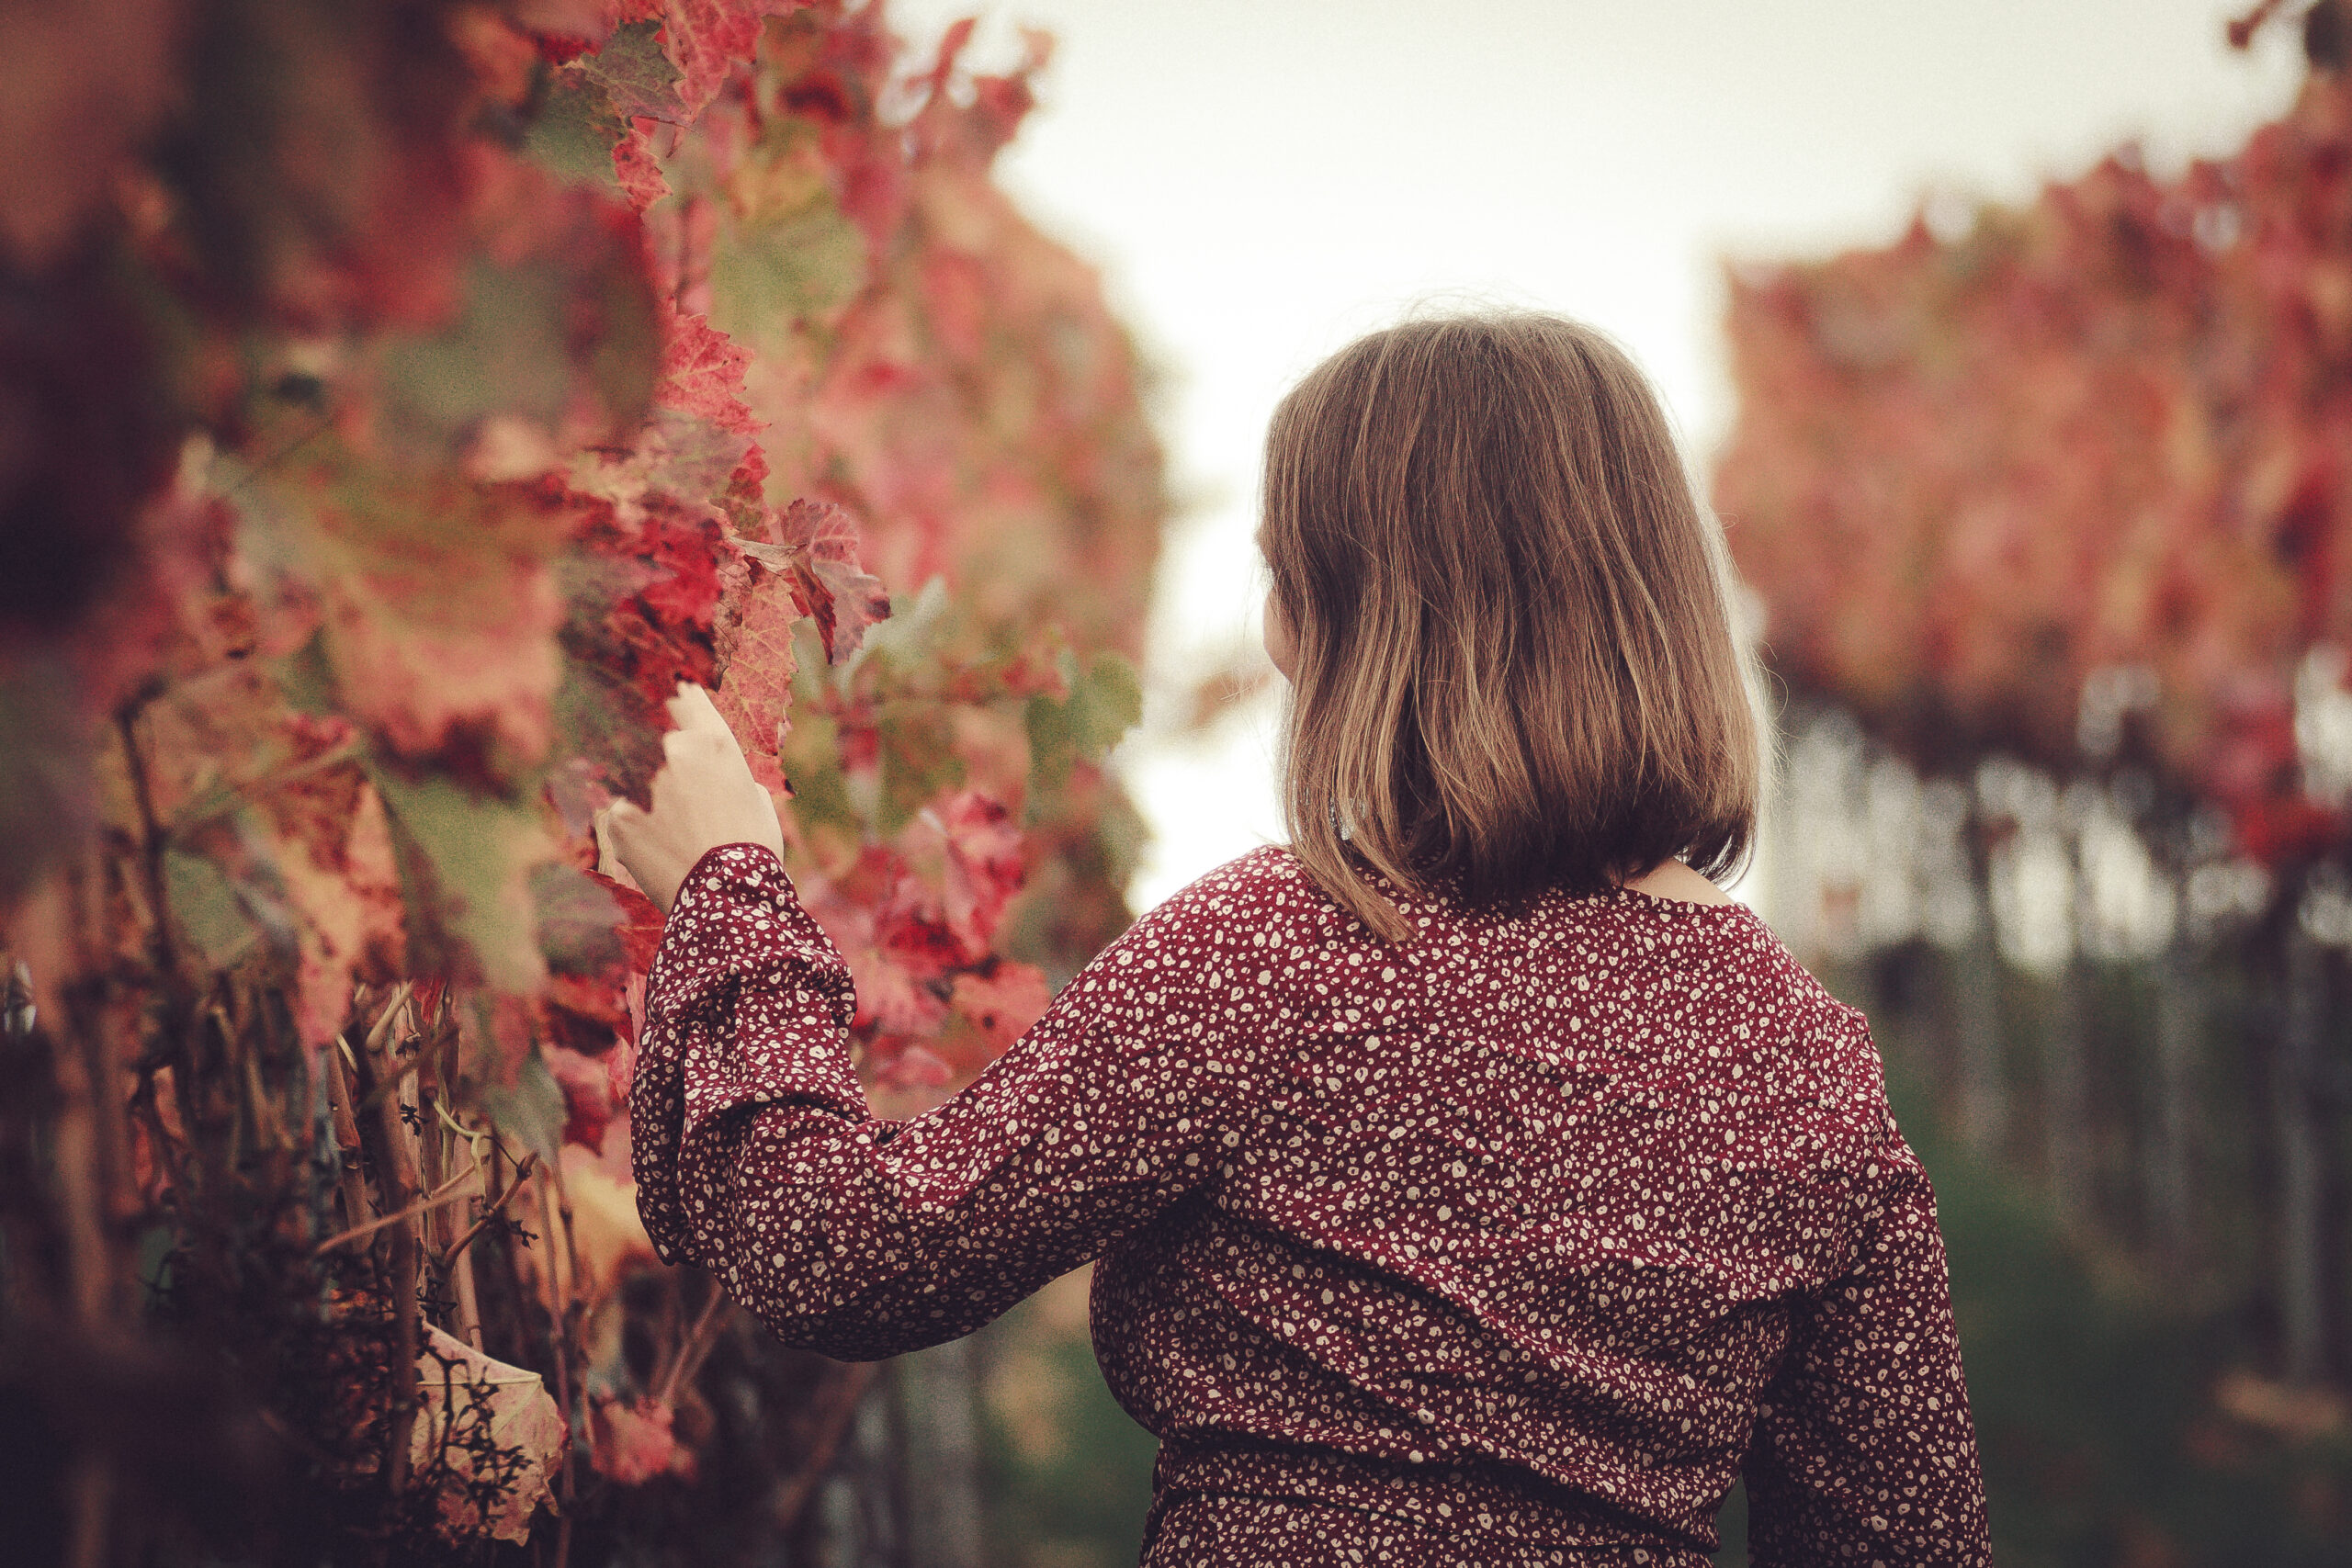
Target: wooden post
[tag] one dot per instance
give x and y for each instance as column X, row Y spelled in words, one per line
column 1976, row 1019
column 2180, row 1025
column 2302, row 1346
column 939, row 1398
column 2066, row 1130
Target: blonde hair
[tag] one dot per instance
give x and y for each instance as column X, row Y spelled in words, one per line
column 1515, row 668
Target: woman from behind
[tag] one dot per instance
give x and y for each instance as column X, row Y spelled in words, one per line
column 1469, row 1181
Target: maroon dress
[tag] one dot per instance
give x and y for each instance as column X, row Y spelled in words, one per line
column 1516, row 1244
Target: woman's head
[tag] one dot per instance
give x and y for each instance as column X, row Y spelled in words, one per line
column 1511, row 657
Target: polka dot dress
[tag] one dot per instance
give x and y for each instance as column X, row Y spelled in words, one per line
column 1518, row 1244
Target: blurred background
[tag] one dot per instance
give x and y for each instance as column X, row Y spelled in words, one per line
column 2106, row 977
column 398, row 397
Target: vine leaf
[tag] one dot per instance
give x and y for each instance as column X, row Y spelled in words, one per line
column 637, row 75
column 490, row 1434
column 816, row 548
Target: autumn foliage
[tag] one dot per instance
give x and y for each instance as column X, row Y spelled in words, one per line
column 397, row 399
column 2094, row 445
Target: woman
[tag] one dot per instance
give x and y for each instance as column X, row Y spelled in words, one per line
column 1469, row 1181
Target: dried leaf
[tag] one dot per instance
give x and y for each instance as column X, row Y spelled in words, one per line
column 488, row 1437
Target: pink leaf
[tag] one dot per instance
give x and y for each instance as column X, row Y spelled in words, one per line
column 819, row 547
column 635, row 1440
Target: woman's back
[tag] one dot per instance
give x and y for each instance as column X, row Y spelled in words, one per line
column 1536, row 1232
column 1523, row 1217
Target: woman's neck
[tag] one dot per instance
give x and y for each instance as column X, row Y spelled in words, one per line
column 1673, row 879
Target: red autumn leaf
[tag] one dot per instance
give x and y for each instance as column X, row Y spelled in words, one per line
column 641, row 616
column 1003, row 1003
column 635, row 74
column 755, row 664
column 633, row 1441
column 2101, row 432
column 895, row 996
column 819, row 550
column 702, row 374
column 916, row 1066
column 589, row 1101
column 709, row 38
column 641, row 930
column 986, row 866
column 916, row 352
column 637, row 170
column 590, row 22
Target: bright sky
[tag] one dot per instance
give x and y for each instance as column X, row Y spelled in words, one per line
column 1261, row 180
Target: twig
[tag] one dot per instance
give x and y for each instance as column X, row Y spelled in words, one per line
column 553, row 1296
column 357, row 1210
column 488, row 1215
column 151, row 855
column 695, row 1346
column 831, row 1417
column 89, row 1485
column 253, row 474
column 397, row 1175
column 383, row 1024
column 444, row 1194
column 2243, row 28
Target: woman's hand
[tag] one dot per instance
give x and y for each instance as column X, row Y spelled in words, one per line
column 704, row 796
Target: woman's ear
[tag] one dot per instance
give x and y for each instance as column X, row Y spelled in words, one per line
column 1275, row 629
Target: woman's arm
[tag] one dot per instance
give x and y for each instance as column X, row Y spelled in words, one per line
column 755, row 1155
column 1864, row 1449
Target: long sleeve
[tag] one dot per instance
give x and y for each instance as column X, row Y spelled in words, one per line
column 1864, row 1449
column 756, row 1156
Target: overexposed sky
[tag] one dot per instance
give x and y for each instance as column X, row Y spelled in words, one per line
column 1261, row 180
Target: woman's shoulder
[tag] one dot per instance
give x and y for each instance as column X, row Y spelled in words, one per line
column 1719, row 976
column 1253, row 895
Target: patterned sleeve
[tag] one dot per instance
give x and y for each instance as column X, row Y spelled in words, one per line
column 1863, row 1450
column 755, row 1155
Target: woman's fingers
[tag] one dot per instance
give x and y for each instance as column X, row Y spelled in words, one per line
column 608, row 854
column 693, row 709
column 704, row 795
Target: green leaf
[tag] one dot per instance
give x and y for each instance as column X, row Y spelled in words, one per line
column 636, row 73
column 813, row 765
column 1105, row 702
column 465, row 863
column 1105, row 705
column 207, row 908
column 765, row 274
column 530, row 1109
column 918, row 761
column 507, row 354
column 575, row 132
column 561, row 307
column 911, row 637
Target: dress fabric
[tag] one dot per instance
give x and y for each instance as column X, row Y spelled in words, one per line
column 1518, row 1243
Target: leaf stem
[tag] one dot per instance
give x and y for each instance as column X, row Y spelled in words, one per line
column 695, row 1346
column 492, row 1212
column 444, row 1194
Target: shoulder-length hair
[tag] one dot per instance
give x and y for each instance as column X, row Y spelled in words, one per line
column 1515, row 668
